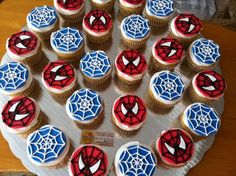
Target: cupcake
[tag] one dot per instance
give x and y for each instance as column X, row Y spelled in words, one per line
column 159, row 12
column 200, row 120
column 130, row 66
column 167, row 53
column 89, row 160
column 43, row 21
column 68, row 44
column 175, row 147
column 136, row 159
column 186, row 28
column 207, row 87
column 47, row 146
column 85, row 107
column 72, row 11
column 165, row 89
column 21, row 115
column 203, row 54
column 96, row 67
column 129, row 7
column 15, row 79
column 24, row 47
column 129, row 114
column 98, row 26
column 105, row 5
column 135, row 31
column 60, row 78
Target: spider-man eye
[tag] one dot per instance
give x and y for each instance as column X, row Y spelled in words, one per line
column 95, row 167
column 170, row 149
column 213, row 79
column 166, row 44
column 191, row 27
column 58, row 77
column 91, row 19
column 81, row 163
column 17, row 116
column 136, row 62
column 20, row 44
column 123, row 109
column 125, row 61
column 102, row 18
column 182, row 144
column 135, row 108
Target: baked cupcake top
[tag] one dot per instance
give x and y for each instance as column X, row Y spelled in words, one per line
column 131, row 63
column 132, row 3
column 84, row 105
column 168, row 51
column 67, row 40
column 14, row 77
column 42, row 18
column 201, row 119
column 167, row 86
column 69, row 7
column 46, row 145
column 160, row 8
column 135, row 27
column 22, row 44
column 88, row 160
column 97, row 21
column 95, row 65
column 134, row 158
column 58, row 76
column 209, row 84
column 20, row 114
column 204, row 52
column 129, row 112
column 175, row 147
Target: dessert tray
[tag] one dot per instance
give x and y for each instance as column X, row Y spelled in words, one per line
column 55, row 113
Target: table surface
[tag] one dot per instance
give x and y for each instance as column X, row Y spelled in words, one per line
column 219, row 160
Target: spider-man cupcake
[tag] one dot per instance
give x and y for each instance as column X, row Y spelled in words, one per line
column 207, row 87
column 128, row 7
column 98, row 26
column 105, row 5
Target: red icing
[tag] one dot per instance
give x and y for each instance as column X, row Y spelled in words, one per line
column 188, row 24
column 19, row 112
column 58, row 74
column 130, row 110
column 94, row 161
column 22, row 43
column 98, row 21
column 169, row 50
column 70, row 4
column 210, row 84
column 135, row 2
column 131, row 62
column 175, row 147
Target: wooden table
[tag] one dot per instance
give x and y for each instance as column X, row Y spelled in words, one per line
column 219, row 160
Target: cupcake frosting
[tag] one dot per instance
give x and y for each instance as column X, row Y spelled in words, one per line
column 69, row 7
column 102, row 1
column 132, row 3
column 160, row 8
column 67, row 40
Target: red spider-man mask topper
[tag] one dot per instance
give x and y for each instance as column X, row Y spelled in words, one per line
column 131, row 62
column 188, row 24
column 98, row 21
column 89, row 160
column 22, row 43
column 19, row 112
column 210, row 84
column 59, row 74
column 135, row 2
column 169, row 50
column 130, row 110
column 70, row 4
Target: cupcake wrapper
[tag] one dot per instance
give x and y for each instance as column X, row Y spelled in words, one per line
column 131, row 44
column 97, row 85
column 158, row 66
column 75, row 18
column 105, row 7
column 157, row 22
column 126, row 11
column 72, row 57
column 126, row 86
column 100, row 39
column 97, row 82
column 27, row 91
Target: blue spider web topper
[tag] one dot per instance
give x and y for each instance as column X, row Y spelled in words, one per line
column 84, row 105
column 135, row 27
column 13, row 76
column 160, row 8
column 67, row 39
column 95, row 64
column 46, row 144
column 42, row 16
column 167, row 85
column 202, row 119
column 206, row 51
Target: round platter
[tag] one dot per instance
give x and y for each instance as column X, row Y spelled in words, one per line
column 55, row 113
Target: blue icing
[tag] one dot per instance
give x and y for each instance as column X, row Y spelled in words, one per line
column 137, row 160
column 95, row 64
column 135, row 27
column 84, row 105
column 42, row 16
column 67, row 39
column 206, row 51
column 46, row 144
column 13, row 76
column 160, row 8
column 202, row 119
column 167, row 85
